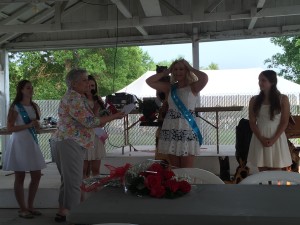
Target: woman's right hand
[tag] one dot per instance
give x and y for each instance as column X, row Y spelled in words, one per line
column 169, row 70
column 264, row 141
column 119, row 115
column 106, row 119
column 34, row 123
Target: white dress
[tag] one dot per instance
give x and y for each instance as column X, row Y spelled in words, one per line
column 176, row 136
column 22, row 152
column 276, row 156
column 98, row 152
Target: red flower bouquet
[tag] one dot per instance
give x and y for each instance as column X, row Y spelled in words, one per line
column 156, row 179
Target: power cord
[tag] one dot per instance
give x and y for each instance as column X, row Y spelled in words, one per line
column 116, row 50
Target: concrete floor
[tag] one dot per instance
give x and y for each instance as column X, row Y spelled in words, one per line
column 10, row 217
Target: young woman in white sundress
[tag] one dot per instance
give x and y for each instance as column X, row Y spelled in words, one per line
column 23, row 152
column 92, row 160
column 180, row 136
column 268, row 116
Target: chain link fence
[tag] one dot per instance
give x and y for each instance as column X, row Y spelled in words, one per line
column 143, row 135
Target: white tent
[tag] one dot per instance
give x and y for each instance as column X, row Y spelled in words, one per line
column 139, row 87
column 221, row 82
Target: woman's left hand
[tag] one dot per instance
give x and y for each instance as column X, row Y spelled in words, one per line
column 270, row 142
column 119, row 115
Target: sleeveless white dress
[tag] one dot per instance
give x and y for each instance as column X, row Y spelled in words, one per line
column 98, row 152
column 22, row 152
column 176, row 136
column 276, row 156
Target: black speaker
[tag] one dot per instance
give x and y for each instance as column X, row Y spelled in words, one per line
column 121, row 99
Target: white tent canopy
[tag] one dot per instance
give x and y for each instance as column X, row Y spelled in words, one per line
column 221, row 82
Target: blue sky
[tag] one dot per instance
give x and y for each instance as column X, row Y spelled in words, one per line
column 238, row 54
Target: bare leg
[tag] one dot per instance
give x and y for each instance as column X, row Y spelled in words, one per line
column 19, row 189
column 187, row 161
column 260, row 169
column 85, row 169
column 174, row 160
column 62, row 211
column 95, row 167
column 33, row 187
column 273, row 168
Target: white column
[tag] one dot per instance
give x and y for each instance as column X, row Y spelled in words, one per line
column 195, row 47
column 4, row 96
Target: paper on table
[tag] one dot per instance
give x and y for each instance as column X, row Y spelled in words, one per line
column 99, row 131
column 128, row 108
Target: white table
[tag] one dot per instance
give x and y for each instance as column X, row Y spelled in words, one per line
column 205, row 204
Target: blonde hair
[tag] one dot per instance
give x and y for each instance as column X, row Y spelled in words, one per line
column 190, row 76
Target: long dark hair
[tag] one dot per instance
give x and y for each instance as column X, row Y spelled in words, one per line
column 91, row 77
column 95, row 92
column 274, row 95
column 19, row 97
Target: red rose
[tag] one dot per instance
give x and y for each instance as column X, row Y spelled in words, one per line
column 173, row 185
column 158, row 191
column 152, row 181
column 156, row 167
column 184, row 186
column 168, row 174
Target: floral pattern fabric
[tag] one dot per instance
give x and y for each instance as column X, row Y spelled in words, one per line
column 76, row 120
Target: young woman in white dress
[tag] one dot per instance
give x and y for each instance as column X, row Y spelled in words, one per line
column 179, row 137
column 92, row 160
column 23, row 152
column 268, row 116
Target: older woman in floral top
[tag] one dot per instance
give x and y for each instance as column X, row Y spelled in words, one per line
column 74, row 136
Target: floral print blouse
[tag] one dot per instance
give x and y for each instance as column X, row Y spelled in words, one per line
column 76, row 120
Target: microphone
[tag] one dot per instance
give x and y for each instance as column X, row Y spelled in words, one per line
column 96, row 98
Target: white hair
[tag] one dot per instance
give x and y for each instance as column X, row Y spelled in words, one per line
column 73, row 76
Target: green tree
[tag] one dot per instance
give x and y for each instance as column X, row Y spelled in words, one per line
column 113, row 68
column 211, row 66
column 287, row 62
column 163, row 63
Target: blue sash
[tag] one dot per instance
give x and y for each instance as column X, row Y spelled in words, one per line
column 186, row 113
column 27, row 120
